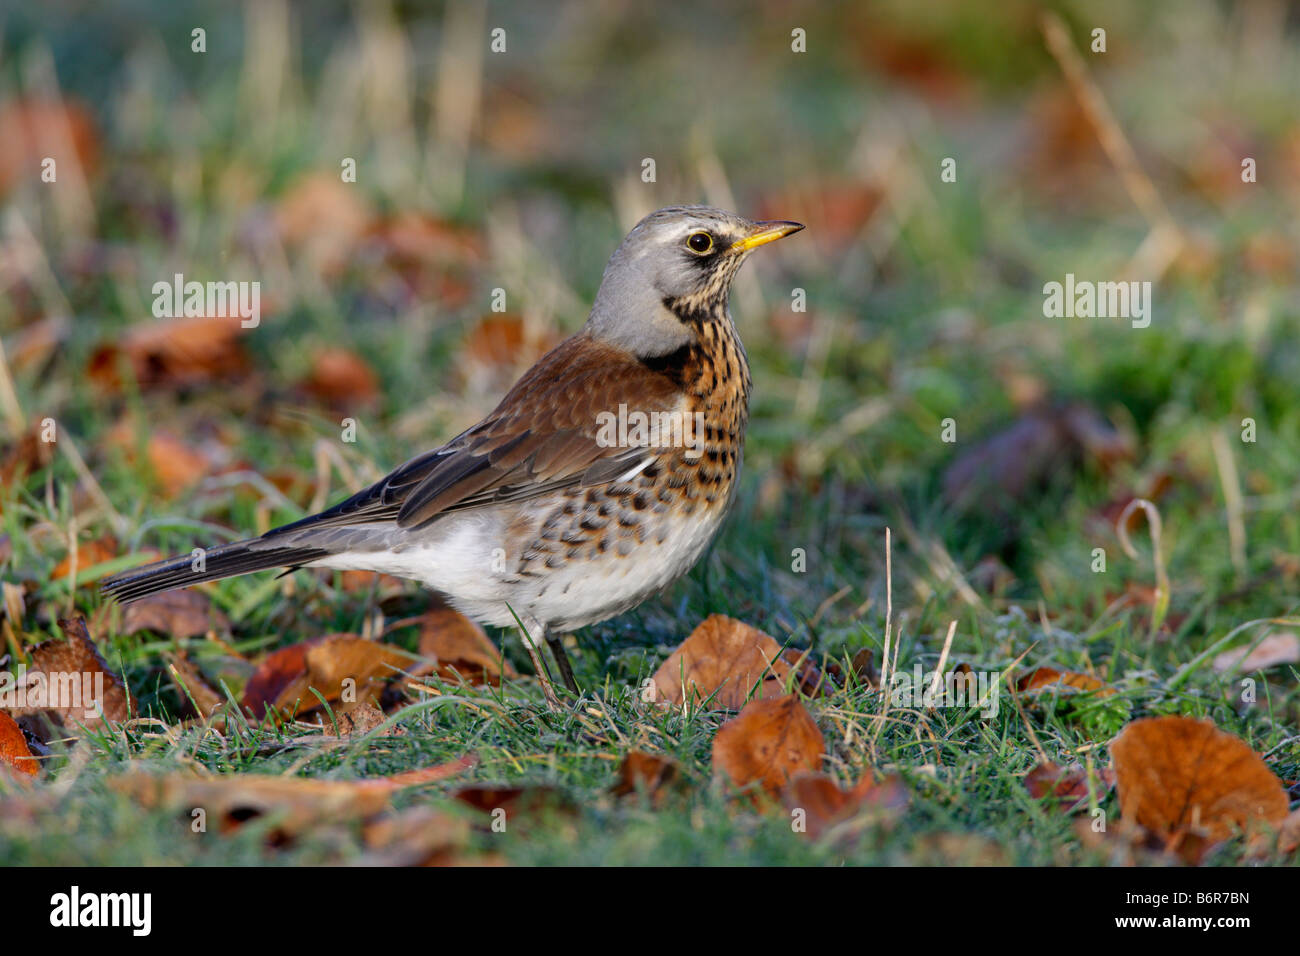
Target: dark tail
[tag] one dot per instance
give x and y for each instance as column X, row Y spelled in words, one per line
column 227, row 561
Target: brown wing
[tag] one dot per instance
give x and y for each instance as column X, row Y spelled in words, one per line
column 541, row 437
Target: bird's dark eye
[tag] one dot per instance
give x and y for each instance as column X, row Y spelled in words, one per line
column 699, row 242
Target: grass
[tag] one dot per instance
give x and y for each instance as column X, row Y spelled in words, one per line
column 926, row 308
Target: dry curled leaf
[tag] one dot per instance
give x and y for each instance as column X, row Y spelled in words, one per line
column 88, row 554
column 174, row 353
column 13, row 747
column 1282, row 648
column 340, row 378
column 767, row 743
column 459, row 649
column 650, row 774
column 179, row 614
column 192, row 687
column 728, row 657
column 285, row 678
column 1066, row 787
column 1072, row 681
column 825, row 805
column 1182, row 778
column 80, row 687
column 297, row 804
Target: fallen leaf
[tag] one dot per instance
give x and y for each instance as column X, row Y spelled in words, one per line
column 283, row 679
column 13, row 747
column 180, row 614
column 1046, row 677
column 30, row 453
column 340, row 378
column 31, row 129
column 1005, row 468
column 651, row 774
column 458, row 649
column 30, row 349
column 295, row 804
column 1066, row 787
column 767, row 743
column 416, row 836
column 825, row 805
column 1182, row 778
column 192, row 686
column 1281, row 648
column 174, row 353
column 725, row 656
column 79, row 686
column 88, row 554
column 323, row 217
column 515, row 807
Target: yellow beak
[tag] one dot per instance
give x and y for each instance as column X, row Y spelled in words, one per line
column 765, row 232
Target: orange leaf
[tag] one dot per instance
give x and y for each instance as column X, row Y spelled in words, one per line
column 767, row 743
column 1180, row 777
column 641, row 772
column 727, row 656
column 13, row 747
column 1043, row 677
column 825, row 805
column 284, row 679
column 459, row 648
column 79, row 685
column 1066, row 787
column 180, row 614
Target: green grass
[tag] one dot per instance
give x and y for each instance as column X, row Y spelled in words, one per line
column 930, row 309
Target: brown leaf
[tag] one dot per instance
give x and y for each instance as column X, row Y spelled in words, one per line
column 13, row 747
column 1282, row 648
column 651, row 774
column 31, row 129
column 459, row 649
column 767, row 743
column 175, row 353
column 179, row 614
column 73, row 672
column 192, row 686
column 1183, row 778
column 298, row 804
column 88, row 554
column 29, row 454
column 324, row 217
column 825, row 805
column 1073, row 681
column 1066, row 787
column 340, row 378
column 1007, row 467
column 514, row 806
column 416, row 836
column 283, row 680
column 726, row 656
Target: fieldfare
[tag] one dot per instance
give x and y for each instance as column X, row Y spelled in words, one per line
column 598, row 480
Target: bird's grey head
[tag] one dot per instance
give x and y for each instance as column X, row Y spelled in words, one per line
column 672, row 272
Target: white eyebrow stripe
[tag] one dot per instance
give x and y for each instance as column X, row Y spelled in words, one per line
column 635, row 470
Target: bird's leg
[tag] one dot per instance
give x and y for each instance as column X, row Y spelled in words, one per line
column 532, row 629
column 562, row 662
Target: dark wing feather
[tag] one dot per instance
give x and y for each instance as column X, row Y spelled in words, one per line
column 541, row 437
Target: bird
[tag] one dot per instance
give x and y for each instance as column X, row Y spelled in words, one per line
column 600, row 479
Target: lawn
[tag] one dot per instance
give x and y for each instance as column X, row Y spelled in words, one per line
column 936, row 470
